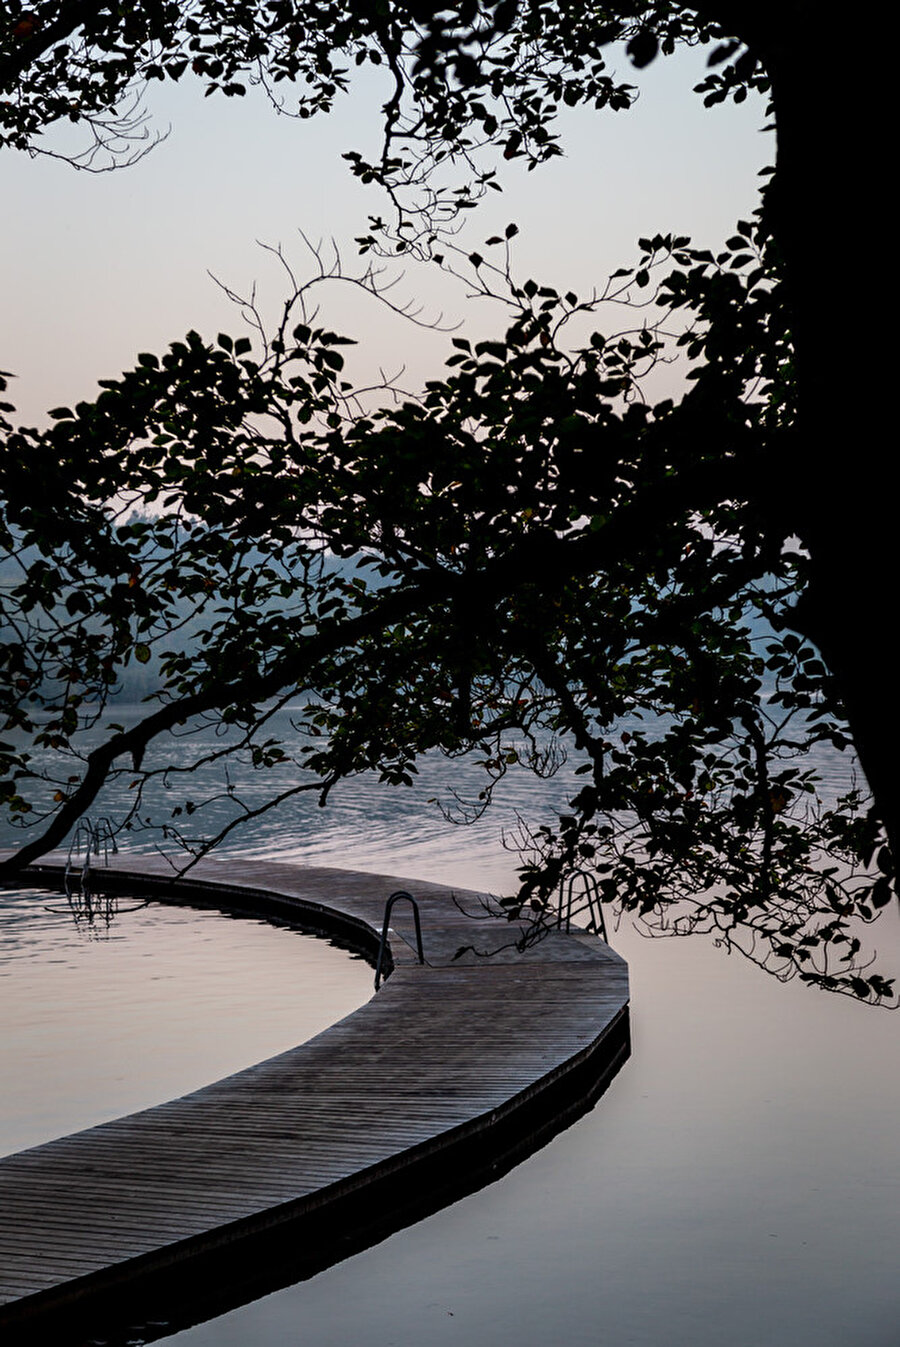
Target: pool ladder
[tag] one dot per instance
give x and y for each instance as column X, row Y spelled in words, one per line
column 587, row 900
column 382, row 946
column 92, row 836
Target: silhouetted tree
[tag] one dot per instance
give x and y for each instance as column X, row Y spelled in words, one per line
column 551, row 552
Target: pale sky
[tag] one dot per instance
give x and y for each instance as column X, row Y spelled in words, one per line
column 97, row 268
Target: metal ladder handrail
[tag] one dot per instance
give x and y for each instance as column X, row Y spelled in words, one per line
column 84, row 830
column 382, row 947
column 95, row 835
column 590, row 892
column 92, row 836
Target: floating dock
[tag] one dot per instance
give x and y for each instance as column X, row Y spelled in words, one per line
column 451, row 1073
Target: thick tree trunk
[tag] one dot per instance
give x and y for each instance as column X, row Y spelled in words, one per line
column 827, row 218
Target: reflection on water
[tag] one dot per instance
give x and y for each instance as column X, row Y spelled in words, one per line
column 102, row 1018
column 93, row 913
column 738, row 1184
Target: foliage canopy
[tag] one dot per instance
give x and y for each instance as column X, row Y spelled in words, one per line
column 532, row 550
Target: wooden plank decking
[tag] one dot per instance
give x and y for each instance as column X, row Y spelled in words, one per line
column 450, row 1072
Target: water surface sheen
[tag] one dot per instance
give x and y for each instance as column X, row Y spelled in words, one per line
column 738, row 1184
column 101, row 1019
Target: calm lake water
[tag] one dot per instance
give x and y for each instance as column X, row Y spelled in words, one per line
column 739, row 1182
column 103, row 1019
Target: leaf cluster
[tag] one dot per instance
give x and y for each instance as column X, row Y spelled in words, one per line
column 531, row 553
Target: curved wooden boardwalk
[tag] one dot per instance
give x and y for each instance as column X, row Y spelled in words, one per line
column 448, row 1075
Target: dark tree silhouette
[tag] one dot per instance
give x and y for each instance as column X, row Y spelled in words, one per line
column 551, row 553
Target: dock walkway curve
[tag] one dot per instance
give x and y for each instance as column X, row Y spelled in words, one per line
column 450, row 1074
